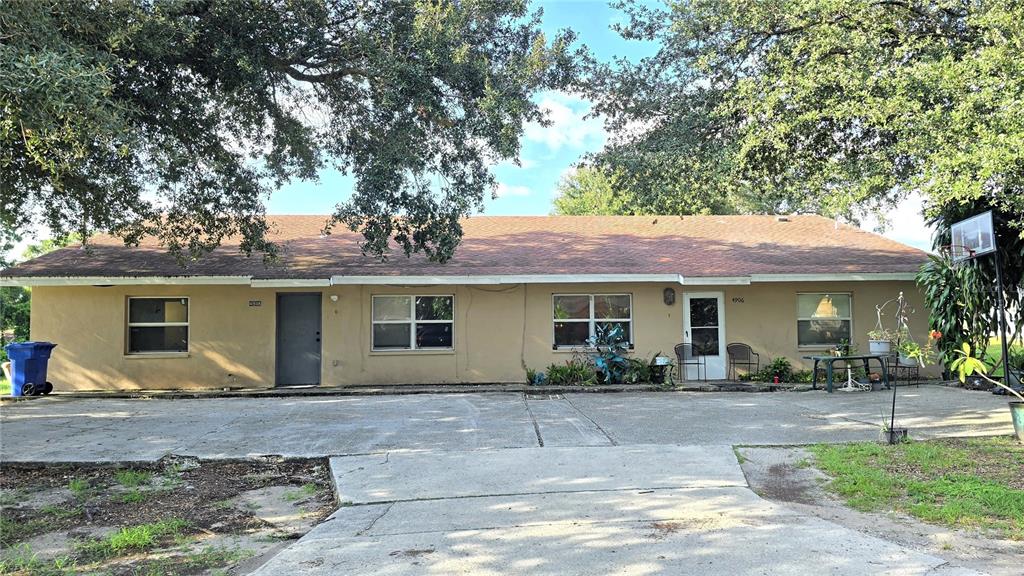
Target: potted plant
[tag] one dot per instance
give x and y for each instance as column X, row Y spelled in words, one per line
column 913, row 354
column 966, row 365
column 880, row 340
column 894, row 435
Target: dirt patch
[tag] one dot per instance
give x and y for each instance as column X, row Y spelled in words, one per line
column 787, row 475
column 178, row 515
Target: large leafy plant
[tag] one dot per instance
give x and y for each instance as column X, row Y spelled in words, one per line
column 610, row 353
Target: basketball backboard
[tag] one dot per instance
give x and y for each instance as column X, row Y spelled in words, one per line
column 973, row 237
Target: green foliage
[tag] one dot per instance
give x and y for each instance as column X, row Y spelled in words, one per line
column 817, row 106
column 965, row 364
column 177, row 118
column 780, row 367
column 591, row 190
column 960, row 483
column 609, row 351
column 577, row 371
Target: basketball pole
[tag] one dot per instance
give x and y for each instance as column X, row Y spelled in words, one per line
column 1001, row 306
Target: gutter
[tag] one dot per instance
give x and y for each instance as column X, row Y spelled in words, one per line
column 338, row 280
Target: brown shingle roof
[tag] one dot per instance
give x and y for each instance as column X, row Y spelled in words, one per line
column 693, row 246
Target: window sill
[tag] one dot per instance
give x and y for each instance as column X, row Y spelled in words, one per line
column 581, row 349
column 442, row 352
column 155, row 355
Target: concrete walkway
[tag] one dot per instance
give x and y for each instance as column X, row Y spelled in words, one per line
column 52, row 429
column 633, row 510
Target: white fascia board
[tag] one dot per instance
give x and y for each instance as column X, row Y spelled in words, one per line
column 123, row 281
column 506, row 279
column 291, row 283
column 716, row 281
column 848, row 277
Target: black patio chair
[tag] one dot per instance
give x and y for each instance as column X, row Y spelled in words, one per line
column 685, row 357
column 742, row 355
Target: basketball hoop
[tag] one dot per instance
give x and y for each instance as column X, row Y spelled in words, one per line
column 972, row 237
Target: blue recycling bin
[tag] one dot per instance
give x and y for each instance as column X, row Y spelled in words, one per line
column 28, row 367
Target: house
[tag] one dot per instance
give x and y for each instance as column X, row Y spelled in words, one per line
column 521, row 292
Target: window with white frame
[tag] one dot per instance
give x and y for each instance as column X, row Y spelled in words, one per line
column 824, row 319
column 577, row 317
column 413, row 322
column 157, row 324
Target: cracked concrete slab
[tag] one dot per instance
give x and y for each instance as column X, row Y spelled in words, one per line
column 696, row 530
column 418, row 475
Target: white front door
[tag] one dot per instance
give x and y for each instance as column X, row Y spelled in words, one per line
column 704, row 328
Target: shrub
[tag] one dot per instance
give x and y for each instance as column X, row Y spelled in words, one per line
column 575, row 372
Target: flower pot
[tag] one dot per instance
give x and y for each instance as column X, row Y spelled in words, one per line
column 909, row 362
column 876, row 385
column 1017, row 415
column 879, row 346
column 894, row 436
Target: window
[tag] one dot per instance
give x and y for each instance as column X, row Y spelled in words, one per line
column 157, row 325
column 413, row 322
column 579, row 316
column 823, row 319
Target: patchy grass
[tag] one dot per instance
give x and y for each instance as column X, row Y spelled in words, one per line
column 132, row 478
column 157, row 519
column 966, row 483
column 81, row 488
column 5, row 386
column 132, row 539
column 21, row 560
column 306, row 491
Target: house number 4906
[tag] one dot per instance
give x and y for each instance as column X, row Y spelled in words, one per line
column 737, row 300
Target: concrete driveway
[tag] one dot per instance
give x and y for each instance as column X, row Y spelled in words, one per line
column 505, row 484
column 97, row 430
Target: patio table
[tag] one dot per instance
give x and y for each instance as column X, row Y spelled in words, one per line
column 830, row 360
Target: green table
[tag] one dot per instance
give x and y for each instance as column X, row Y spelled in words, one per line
column 831, row 360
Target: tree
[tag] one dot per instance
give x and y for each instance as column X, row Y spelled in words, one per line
column 176, row 118
column 821, row 106
column 589, row 191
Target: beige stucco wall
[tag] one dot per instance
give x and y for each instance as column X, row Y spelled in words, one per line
column 499, row 331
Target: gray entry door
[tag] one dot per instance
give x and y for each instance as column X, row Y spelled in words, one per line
column 298, row 339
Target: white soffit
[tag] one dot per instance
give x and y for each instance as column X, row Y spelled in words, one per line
column 124, row 280
column 842, row 277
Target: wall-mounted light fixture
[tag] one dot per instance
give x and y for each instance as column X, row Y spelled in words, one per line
column 669, row 295
column 334, row 297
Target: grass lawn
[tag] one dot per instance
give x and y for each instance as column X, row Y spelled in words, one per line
column 5, row 386
column 960, row 482
column 994, row 354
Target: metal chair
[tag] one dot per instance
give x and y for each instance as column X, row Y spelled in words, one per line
column 742, row 355
column 685, row 357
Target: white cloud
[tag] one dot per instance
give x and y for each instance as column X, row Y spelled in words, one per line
column 905, row 223
column 504, row 190
column 569, row 125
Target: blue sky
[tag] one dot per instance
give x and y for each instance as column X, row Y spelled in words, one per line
column 549, row 153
